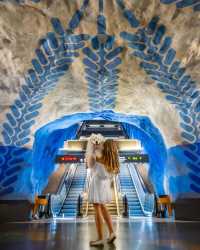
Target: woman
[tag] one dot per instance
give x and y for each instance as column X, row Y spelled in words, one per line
column 103, row 168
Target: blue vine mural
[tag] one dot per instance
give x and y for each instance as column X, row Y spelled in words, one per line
column 20, row 1
column 158, row 59
column 128, row 14
column 53, row 57
column 102, row 59
column 101, row 67
column 180, row 4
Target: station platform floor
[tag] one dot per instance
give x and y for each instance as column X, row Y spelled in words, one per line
column 132, row 234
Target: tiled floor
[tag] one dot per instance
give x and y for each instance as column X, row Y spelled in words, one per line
column 138, row 234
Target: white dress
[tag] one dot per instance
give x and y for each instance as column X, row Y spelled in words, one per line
column 100, row 190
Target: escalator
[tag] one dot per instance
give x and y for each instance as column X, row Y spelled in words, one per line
column 69, row 208
column 140, row 204
column 128, row 184
column 128, row 188
column 64, row 203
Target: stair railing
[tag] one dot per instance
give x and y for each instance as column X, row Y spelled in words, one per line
column 116, row 195
column 119, row 190
column 86, row 190
column 146, row 199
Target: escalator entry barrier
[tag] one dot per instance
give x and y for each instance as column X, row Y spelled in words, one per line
column 164, row 206
column 41, row 207
column 125, row 206
column 79, row 206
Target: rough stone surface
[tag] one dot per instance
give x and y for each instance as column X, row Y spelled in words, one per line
column 21, row 27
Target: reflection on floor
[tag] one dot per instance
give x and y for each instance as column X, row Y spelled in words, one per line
column 140, row 234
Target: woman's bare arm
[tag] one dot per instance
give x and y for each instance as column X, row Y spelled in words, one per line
column 90, row 155
column 94, row 149
column 91, row 160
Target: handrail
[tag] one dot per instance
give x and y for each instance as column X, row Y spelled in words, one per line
column 65, row 176
column 116, row 195
column 57, row 200
column 139, row 193
column 146, row 200
column 120, row 191
column 68, row 187
column 141, row 180
column 118, row 184
column 86, row 182
column 87, row 191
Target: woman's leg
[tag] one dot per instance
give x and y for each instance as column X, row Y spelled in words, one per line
column 98, row 221
column 107, row 218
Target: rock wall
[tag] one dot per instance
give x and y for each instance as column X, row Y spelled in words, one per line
column 136, row 57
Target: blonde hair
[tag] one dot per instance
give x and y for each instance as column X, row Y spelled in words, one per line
column 110, row 157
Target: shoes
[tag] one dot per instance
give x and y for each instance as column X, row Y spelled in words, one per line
column 35, row 217
column 111, row 238
column 96, row 243
column 101, row 242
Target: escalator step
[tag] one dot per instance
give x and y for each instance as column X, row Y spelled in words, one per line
column 65, row 206
column 68, row 210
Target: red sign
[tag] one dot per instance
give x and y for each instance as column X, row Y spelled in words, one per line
column 68, row 158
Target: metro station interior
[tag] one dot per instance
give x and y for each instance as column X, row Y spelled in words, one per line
column 125, row 69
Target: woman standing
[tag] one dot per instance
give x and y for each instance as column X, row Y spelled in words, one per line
column 103, row 168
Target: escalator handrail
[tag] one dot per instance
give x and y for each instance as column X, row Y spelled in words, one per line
column 68, row 187
column 116, row 195
column 87, row 191
column 141, row 180
column 142, row 196
column 118, row 183
column 59, row 198
column 65, row 176
column 87, row 181
column 149, row 197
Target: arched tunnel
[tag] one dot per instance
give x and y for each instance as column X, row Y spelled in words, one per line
column 53, row 135
column 128, row 70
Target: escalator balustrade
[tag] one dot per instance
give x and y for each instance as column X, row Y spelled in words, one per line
column 69, row 207
column 128, row 188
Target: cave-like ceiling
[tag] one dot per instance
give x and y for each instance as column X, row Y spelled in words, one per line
column 137, row 57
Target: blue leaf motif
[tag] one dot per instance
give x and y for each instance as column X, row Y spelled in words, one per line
column 54, row 55
column 158, row 60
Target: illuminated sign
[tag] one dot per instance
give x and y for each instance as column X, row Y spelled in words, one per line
column 137, row 158
column 68, row 159
column 79, row 158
